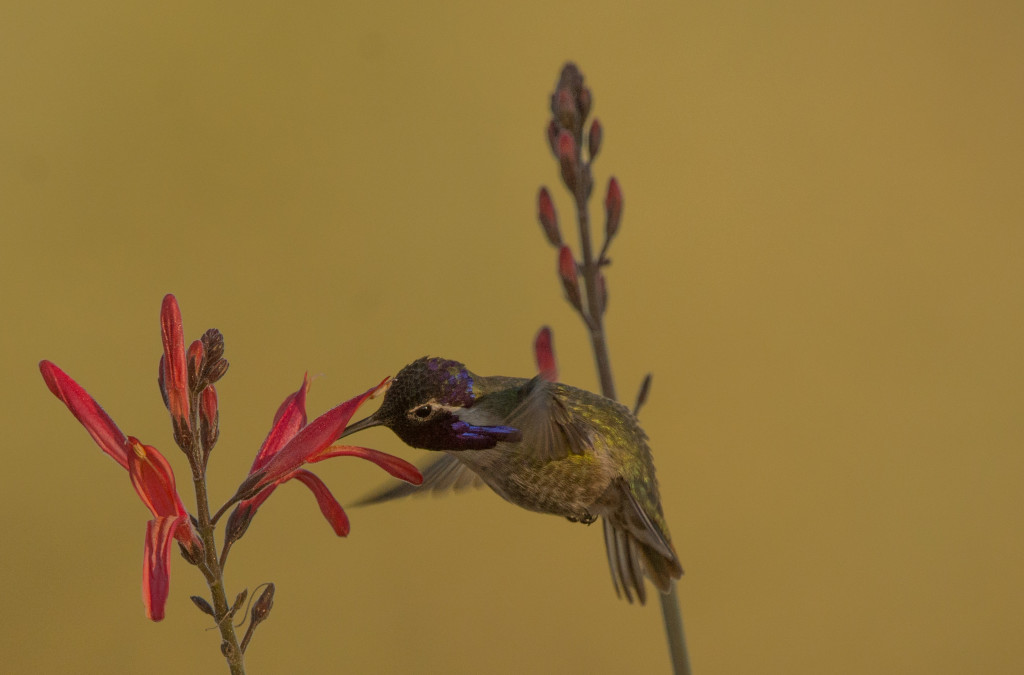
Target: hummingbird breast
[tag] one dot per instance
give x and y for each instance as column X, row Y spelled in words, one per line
column 566, row 487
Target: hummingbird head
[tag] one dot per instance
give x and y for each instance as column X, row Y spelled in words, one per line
column 423, row 405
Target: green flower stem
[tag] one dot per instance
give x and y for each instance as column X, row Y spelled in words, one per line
column 211, row 565
column 214, row 574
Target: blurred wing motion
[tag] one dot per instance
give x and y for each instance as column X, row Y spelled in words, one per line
column 441, row 475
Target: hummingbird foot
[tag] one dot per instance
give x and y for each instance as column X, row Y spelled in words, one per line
column 587, row 518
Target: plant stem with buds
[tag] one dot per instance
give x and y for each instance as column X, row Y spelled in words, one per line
column 570, row 106
column 210, row 565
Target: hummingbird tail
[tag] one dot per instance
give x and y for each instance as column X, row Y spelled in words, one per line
column 637, row 546
column 631, row 559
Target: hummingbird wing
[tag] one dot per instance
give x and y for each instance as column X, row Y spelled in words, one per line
column 550, row 429
column 442, row 474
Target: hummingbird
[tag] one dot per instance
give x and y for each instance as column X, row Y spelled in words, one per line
column 544, row 446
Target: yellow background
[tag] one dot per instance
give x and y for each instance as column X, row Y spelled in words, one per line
column 820, row 261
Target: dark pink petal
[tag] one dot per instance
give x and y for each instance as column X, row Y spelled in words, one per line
column 99, row 425
column 290, row 418
column 156, row 568
column 399, row 468
column 175, row 367
column 154, row 481
column 329, row 506
column 544, row 351
column 309, row 442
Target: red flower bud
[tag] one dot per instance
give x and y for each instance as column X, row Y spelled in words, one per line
column 545, row 354
column 213, row 342
column 566, row 113
column 552, row 132
column 202, row 604
column 612, row 209
column 594, row 139
column 570, row 280
column 209, row 419
column 196, row 353
column 548, row 218
column 568, row 159
column 585, row 102
column 263, row 605
column 175, row 366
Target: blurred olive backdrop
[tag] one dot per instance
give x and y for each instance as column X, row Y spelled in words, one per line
column 820, row 262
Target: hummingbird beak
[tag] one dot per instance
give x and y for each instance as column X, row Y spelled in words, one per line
column 365, row 423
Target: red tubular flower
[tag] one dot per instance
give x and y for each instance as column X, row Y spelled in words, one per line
column 175, row 365
column 292, row 443
column 152, row 477
column 543, row 350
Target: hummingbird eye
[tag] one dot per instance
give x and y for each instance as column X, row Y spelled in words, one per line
column 422, row 412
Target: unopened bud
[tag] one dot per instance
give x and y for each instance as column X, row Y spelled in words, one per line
column 238, row 523
column 568, row 159
column 216, row 370
column 196, row 353
column 239, row 601
column 544, row 352
column 209, row 420
column 570, row 280
column 570, row 79
column 594, row 139
column 213, row 342
column 548, row 218
column 175, row 364
column 585, row 102
column 261, row 609
column 192, row 554
column 564, row 107
column 202, row 604
column 552, row 133
column 612, row 209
